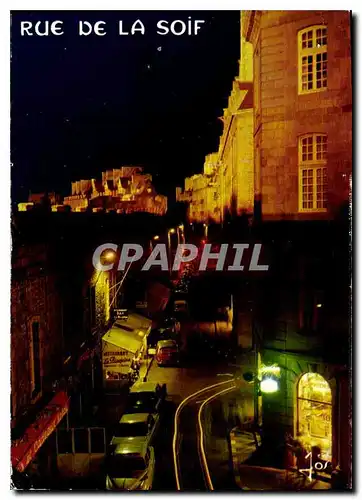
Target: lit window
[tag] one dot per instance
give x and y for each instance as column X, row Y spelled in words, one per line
column 312, row 49
column 313, row 172
column 314, row 414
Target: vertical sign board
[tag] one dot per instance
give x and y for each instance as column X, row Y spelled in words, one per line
column 116, row 362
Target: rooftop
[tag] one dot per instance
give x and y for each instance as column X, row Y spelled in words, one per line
column 136, row 446
column 144, row 387
column 134, row 418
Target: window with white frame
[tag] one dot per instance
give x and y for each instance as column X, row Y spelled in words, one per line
column 313, row 172
column 312, row 48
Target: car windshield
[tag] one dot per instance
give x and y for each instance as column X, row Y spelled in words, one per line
column 131, row 430
column 141, row 402
column 125, row 466
column 168, row 348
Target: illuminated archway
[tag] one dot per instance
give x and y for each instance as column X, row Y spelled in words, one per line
column 314, row 413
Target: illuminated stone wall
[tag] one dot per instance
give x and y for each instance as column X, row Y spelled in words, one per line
column 226, row 185
column 282, row 114
column 126, row 189
column 258, row 160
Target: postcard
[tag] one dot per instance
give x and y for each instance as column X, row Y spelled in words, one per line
column 181, row 196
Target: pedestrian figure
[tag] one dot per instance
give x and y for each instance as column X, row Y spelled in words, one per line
column 300, row 454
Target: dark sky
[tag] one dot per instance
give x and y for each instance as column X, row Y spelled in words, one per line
column 81, row 105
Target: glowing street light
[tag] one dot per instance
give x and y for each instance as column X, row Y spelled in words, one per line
column 181, row 232
column 268, row 385
column 169, row 232
column 206, row 230
column 110, row 255
column 156, row 237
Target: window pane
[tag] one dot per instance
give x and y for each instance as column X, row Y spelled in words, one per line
column 321, row 37
column 81, row 441
column 321, row 67
column 97, row 440
column 321, row 147
column 64, row 438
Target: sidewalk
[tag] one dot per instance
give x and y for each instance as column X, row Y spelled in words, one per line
column 261, row 478
column 146, row 365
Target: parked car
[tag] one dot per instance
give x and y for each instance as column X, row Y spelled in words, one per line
column 135, row 425
column 145, row 397
column 167, row 353
column 180, row 306
column 131, row 467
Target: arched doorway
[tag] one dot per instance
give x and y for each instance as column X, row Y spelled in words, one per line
column 314, row 414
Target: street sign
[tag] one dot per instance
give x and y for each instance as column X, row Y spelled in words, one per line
column 121, row 313
column 141, row 305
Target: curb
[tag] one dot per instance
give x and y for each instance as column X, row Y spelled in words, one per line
column 234, row 455
column 144, row 379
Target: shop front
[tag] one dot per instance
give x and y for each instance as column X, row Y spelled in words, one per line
column 33, row 455
column 309, row 406
column 314, row 417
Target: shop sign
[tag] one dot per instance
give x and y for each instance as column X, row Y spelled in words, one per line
column 121, row 358
column 121, row 314
column 24, row 450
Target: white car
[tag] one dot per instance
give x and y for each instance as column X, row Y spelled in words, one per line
column 131, row 466
column 145, row 397
column 135, row 425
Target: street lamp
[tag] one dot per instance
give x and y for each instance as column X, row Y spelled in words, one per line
column 206, row 226
column 269, row 385
column 169, row 232
column 181, row 228
column 155, row 238
column 109, row 256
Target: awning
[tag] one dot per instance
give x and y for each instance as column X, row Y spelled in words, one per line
column 129, row 334
column 23, row 450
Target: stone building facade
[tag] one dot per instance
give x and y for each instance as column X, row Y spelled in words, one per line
column 302, row 111
column 36, row 329
column 202, row 192
column 301, row 318
column 286, row 147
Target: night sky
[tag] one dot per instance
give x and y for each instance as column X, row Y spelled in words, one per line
column 81, row 105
